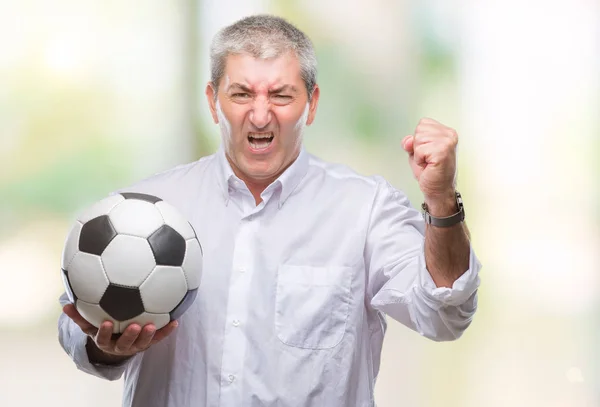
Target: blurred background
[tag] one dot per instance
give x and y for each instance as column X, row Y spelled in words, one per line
column 95, row 95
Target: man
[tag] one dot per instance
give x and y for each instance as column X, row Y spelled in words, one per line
column 302, row 258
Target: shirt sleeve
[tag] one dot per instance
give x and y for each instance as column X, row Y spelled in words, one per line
column 399, row 283
column 73, row 341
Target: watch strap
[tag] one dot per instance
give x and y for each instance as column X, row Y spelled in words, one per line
column 446, row 221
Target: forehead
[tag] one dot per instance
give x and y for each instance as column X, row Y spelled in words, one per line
column 259, row 73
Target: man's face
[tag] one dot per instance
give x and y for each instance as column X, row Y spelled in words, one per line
column 262, row 108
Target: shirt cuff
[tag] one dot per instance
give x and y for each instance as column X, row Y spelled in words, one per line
column 462, row 289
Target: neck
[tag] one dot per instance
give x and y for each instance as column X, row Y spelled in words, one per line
column 257, row 185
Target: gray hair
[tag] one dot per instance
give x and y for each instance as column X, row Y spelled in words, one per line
column 263, row 36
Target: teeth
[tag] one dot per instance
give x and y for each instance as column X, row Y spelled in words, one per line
column 260, row 135
column 260, row 145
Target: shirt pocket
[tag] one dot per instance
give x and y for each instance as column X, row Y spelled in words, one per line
column 312, row 305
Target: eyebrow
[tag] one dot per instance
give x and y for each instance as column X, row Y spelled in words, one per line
column 245, row 88
column 239, row 86
column 284, row 88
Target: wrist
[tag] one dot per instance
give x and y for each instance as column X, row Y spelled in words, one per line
column 442, row 205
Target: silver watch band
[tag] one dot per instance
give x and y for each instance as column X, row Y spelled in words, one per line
column 448, row 220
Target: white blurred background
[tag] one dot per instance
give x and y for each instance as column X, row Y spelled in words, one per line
column 97, row 94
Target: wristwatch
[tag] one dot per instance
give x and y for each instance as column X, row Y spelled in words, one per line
column 448, row 220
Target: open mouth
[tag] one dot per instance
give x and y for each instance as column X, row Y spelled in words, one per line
column 260, row 141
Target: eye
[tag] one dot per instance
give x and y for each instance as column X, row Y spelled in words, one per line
column 240, row 95
column 281, row 100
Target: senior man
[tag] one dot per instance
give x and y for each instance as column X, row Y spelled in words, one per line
column 303, row 259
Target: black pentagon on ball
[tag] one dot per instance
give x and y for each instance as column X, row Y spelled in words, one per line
column 96, row 234
column 184, row 304
column 142, row 197
column 67, row 284
column 168, row 246
column 122, row 303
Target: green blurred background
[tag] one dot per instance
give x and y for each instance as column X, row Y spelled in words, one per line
column 95, row 95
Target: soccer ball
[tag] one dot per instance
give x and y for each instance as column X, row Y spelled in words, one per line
column 129, row 258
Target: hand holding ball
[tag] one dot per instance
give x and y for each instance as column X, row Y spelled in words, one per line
column 131, row 259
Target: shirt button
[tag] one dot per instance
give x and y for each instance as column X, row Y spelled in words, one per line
column 242, row 269
column 231, row 378
column 235, row 322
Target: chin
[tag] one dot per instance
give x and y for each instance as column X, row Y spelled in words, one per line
column 262, row 169
column 260, row 172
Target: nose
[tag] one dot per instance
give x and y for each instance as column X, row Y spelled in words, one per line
column 260, row 115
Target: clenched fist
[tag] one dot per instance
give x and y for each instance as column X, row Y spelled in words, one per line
column 432, row 158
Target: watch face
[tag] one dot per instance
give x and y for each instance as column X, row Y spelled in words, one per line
column 460, row 203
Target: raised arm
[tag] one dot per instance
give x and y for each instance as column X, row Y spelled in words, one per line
column 425, row 277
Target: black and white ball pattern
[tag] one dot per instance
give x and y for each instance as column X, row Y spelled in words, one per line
column 131, row 257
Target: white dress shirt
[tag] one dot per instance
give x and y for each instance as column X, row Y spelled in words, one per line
column 292, row 302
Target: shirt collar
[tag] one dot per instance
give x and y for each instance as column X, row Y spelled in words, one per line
column 292, row 176
column 224, row 173
column 288, row 181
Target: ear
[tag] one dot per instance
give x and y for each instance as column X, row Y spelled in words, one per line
column 210, row 97
column 312, row 110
